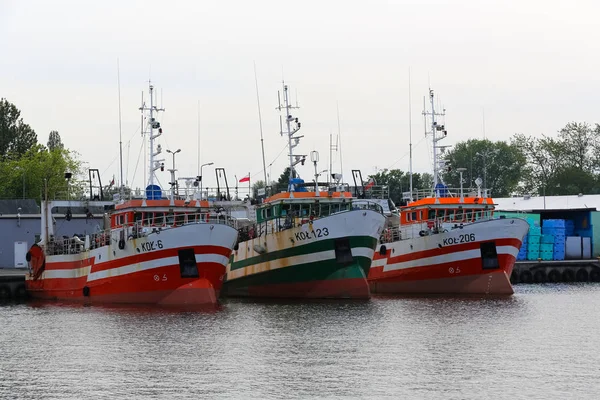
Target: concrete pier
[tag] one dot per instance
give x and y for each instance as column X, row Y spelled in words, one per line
column 556, row 271
column 12, row 283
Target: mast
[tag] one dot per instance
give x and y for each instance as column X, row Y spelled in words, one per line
column 292, row 141
column 339, row 142
column 410, row 165
column 262, row 143
column 436, row 137
column 151, row 126
column 122, row 188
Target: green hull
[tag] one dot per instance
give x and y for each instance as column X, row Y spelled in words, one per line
column 332, row 277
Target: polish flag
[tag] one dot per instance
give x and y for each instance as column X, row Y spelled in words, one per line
column 112, row 182
column 245, row 179
column 370, row 183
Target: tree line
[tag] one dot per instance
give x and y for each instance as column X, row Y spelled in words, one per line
column 567, row 164
column 26, row 165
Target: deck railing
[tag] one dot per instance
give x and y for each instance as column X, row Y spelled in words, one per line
column 424, row 228
column 129, row 231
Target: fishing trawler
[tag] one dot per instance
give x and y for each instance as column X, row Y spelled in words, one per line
column 446, row 241
column 158, row 249
column 306, row 242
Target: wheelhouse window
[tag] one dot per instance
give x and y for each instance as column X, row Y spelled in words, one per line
column 469, row 215
column 458, row 217
column 170, row 219
column 413, row 216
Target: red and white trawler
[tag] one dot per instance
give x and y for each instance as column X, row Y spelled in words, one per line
column 446, row 241
column 154, row 250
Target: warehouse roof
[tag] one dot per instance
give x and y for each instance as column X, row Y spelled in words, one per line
column 590, row 202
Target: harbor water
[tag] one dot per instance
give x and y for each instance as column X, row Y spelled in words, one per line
column 540, row 343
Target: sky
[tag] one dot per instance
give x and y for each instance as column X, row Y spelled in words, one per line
column 497, row 67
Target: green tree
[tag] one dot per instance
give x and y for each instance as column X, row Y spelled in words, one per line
column 499, row 165
column 397, row 183
column 284, row 179
column 54, row 141
column 29, row 175
column 16, row 137
column 568, row 164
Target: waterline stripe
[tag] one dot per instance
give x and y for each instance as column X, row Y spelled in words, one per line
column 446, row 258
column 328, row 255
column 127, row 269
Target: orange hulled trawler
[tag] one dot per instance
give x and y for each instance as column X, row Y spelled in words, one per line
column 446, row 241
column 157, row 249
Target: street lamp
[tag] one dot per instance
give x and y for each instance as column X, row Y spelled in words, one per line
column 174, row 183
column 460, row 171
column 202, row 166
column 485, row 155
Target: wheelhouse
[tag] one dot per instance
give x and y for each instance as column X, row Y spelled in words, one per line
column 301, row 207
column 447, row 210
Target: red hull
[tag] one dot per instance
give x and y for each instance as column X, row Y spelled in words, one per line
column 352, row 288
column 436, row 280
column 447, row 270
column 133, row 280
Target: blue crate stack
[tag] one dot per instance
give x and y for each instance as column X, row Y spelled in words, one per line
column 569, row 228
column 533, row 240
column 557, row 228
column 523, row 250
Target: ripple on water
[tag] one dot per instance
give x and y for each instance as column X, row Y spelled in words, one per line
column 539, row 343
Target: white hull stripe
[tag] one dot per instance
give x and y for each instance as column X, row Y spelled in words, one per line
column 442, row 259
column 295, row 260
column 128, row 269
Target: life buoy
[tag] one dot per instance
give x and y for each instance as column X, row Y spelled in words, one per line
column 514, row 277
column 539, row 276
column 526, row 276
column 582, row 275
column 554, row 276
column 20, row 292
column 5, row 292
column 568, row 275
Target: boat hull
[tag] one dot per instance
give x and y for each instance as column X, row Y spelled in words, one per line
column 179, row 266
column 475, row 260
column 328, row 258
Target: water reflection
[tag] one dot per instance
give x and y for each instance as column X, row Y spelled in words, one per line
column 538, row 343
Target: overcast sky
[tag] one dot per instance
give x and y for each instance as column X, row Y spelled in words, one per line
column 528, row 66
